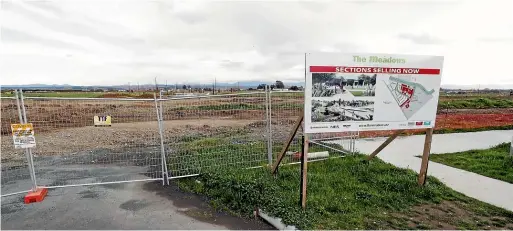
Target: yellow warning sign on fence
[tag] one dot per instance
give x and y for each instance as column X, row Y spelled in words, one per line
column 23, row 135
column 102, row 121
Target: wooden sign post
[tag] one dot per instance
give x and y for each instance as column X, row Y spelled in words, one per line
column 304, row 168
column 425, row 153
column 287, row 144
column 304, row 159
column 425, row 157
column 384, row 144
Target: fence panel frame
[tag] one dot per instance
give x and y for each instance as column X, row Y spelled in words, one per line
column 18, row 97
column 180, row 104
column 113, row 101
column 268, row 131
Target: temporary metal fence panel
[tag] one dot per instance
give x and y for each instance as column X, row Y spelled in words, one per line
column 214, row 131
column 151, row 139
column 72, row 151
column 15, row 172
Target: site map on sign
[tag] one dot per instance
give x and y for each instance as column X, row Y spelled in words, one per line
column 410, row 96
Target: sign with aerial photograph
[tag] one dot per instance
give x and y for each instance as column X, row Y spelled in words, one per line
column 363, row 92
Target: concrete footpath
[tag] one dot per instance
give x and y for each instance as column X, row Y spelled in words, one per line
column 402, row 151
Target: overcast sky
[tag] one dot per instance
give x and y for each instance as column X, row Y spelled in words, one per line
column 98, row 42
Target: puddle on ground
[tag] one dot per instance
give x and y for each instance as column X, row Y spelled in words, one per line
column 134, row 205
column 197, row 207
column 88, row 194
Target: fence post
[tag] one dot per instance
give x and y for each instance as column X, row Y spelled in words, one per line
column 162, row 132
column 269, row 123
column 162, row 151
column 28, row 151
column 18, row 105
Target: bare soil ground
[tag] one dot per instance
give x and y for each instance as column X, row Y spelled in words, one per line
column 121, row 135
column 477, row 111
column 443, row 216
column 49, row 115
column 65, row 126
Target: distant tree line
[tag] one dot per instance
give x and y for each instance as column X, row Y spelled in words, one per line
column 277, row 85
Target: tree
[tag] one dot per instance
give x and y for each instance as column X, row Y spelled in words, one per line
column 373, row 80
column 350, row 82
column 361, row 79
column 294, row 88
column 261, row 87
column 322, row 77
column 279, row 84
column 184, row 87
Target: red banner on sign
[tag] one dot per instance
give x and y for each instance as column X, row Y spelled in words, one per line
column 388, row 70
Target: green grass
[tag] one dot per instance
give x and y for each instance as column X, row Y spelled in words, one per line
column 476, row 103
column 494, row 162
column 237, row 149
column 482, row 102
column 82, row 94
column 460, row 130
column 343, row 193
column 357, row 93
column 241, row 106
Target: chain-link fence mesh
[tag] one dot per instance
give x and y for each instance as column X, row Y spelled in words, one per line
column 198, row 133
column 286, row 107
column 15, row 172
column 71, row 150
column 215, row 131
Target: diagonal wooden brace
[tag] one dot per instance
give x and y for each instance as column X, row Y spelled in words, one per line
column 287, row 144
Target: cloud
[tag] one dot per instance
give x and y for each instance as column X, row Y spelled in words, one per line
column 10, row 35
column 421, row 39
column 231, row 64
column 499, row 39
column 113, row 42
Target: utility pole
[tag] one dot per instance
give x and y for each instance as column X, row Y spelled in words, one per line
column 156, row 85
column 214, row 89
column 128, row 86
column 137, row 86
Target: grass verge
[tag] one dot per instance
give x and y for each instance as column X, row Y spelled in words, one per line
column 347, row 193
column 368, row 134
column 485, row 102
column 237, row 148
column 494, row 162
column 460, row 130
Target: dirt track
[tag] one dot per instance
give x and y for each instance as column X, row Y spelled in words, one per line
column 477, row 111
column 65, row 126
column 49, row 115
column 120, row 135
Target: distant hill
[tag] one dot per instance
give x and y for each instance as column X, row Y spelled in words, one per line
column 242, row 84
column 476, row 86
